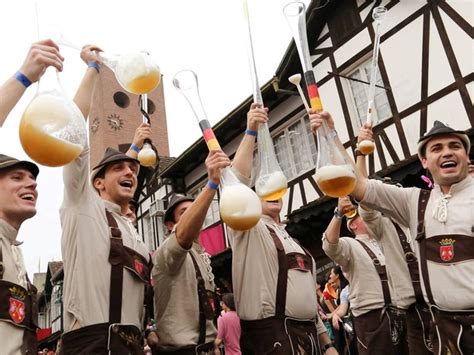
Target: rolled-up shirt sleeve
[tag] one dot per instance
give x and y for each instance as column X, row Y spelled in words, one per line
column 76, row 179
column 170, row 255
column 391, row 200
column 339, row 252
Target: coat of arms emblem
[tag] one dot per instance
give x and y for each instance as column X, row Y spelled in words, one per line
column 446, row 249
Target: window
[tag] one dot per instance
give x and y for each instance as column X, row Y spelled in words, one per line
column 295, row 148
column 358, row 92
column 153, row 231
column 56, row 308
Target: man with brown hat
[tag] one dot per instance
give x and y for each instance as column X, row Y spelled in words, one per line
column 18, row 308
column 185, row 302
column 440, row 223
column 106, row 264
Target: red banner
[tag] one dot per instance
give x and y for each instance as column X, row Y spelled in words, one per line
column 212, row 239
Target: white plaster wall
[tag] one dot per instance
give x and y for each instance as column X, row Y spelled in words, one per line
column 463, row 45
column 401, row 54
column 321, row 69
column 440, row 74
column 411, row 126
column 450, row 110
column 399, row 12
column 464, row 8
column 352, row 47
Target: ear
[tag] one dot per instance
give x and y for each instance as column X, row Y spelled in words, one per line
column 424, row 163
column 99, row 184
column 169, row 225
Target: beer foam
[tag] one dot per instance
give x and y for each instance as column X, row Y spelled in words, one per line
column 366, row 146
column 134, row 65
column 271, row 183
column 240, row 207
column 147, row 157
column 330, row 172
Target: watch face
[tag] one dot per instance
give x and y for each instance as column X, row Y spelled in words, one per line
column 115, row 122
column 94, row 125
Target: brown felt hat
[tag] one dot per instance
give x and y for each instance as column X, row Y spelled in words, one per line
column 175, row 200
column 440, row 129
column 111, row 155
column 8, row 162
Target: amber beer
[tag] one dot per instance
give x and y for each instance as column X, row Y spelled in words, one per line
column 44, row 118
column 336, row 180
column 350, row 212
column 240, row 208
column 144, row 84
column 147, row 157
column 366, row 147
column 271, row 187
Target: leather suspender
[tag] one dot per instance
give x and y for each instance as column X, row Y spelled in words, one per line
column 382, row 271
column 421, row 239
column 201, row 289
column 2, row 268
column 282, row 281
column 116, row 273
column 412, row 263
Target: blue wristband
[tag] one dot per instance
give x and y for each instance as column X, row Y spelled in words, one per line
column 250, row 132
column 135, row 148
column 22, row 78
column 94, row 65
column 212, row 185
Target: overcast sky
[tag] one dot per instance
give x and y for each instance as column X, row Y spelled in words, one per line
column 207, row 36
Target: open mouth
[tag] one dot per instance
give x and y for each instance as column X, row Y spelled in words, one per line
column 126, row 183
column 274, row 201
column 449, row 164
column 28, row 197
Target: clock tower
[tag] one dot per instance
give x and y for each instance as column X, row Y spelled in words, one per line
column 115, row 114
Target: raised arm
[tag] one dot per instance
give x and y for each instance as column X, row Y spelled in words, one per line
column 244, row 156
column 41, row 55
column 141, row 133
column 83, row 97
column 190, row 223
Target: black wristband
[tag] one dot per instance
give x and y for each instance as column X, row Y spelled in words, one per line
column 327, row 346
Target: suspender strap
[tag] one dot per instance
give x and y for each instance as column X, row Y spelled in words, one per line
column 280, row 304
column 412, row 263
column 382, row 271
column 2, row 268
column 421, row 239
column 201, row 289
column 116, row 273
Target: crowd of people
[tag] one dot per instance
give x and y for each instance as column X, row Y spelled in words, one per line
column 402, row 283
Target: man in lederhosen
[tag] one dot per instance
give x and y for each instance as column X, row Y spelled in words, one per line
column 402, row 271
column 441, row 230
column 185, row 303
column 273, row 277
column 18, row 307
column 378, row 300
column 106, row 264
column 18, row 195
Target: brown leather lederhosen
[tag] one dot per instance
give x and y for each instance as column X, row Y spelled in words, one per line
column 112, row 337
column 418, row 317
column 19, row 307
column 208, row 310
column 381, row 330
column 281, row 334
column 454, row 330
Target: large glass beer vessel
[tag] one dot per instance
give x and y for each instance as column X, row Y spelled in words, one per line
column 378, row 14
column 147, row 155
column 239, row 206
column 136, row 72
column 271, row 183
column 335, row 175
column 52, row 128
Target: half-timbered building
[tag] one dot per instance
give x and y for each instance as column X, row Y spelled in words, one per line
column 425, row 74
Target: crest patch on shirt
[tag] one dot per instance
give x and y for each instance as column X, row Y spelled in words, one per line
column 446, row 249
column 17, row 305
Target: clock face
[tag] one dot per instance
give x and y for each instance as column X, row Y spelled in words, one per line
column 94, row 125
column 115, row 122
